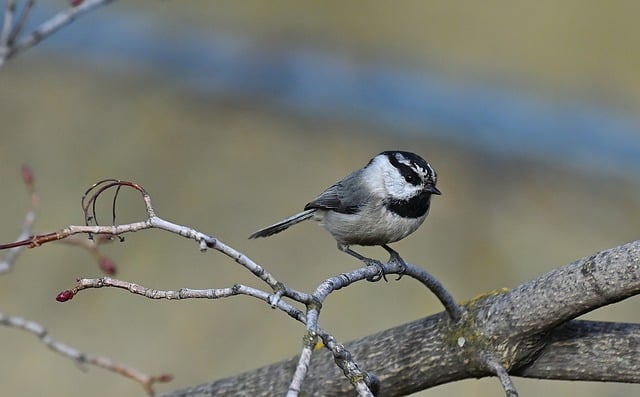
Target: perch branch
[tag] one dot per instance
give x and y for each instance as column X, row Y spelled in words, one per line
column 332, row 284
column 528, row 330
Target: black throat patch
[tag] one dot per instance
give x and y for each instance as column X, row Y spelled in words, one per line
column 415, row 207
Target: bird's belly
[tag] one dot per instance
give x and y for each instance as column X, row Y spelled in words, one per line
column 365, row 229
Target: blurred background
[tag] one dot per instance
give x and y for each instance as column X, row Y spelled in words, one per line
column 234, row 115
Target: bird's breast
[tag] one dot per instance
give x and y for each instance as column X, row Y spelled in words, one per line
column 374, row 226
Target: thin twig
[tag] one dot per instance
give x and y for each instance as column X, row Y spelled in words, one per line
column 22, row 21
column 27, row 226
column 452, row 307
column 147, row 381
column 182, row 293
column 305, row 359
column 153, row 221
column 9, row 48
column 341, row 356
column 7, row 24
column 503, row 375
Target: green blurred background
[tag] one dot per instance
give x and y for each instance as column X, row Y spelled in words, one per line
column 230, row 163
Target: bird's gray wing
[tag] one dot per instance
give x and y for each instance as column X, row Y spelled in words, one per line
column 346, row 196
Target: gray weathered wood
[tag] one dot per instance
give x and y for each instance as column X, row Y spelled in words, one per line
column 530, row 330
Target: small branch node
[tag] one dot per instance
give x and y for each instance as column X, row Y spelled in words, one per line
column 278, row 291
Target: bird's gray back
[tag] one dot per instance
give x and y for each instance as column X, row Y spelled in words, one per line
column 346, row 196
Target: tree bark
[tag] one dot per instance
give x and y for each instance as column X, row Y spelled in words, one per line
column 529, row 330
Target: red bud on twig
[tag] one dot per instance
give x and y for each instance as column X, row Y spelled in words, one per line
column 64, row 296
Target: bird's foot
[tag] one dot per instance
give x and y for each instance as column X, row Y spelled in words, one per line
column 394, row 257
column 378, row 276
column 369, row 262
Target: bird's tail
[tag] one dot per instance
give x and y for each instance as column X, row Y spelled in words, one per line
column 284, row 224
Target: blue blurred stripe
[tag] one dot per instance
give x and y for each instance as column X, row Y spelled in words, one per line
column 500, row 120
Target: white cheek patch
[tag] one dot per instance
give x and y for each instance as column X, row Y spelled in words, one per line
column 387, row 181
column 397, row 187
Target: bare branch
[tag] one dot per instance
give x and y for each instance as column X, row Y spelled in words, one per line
column 452, row 307
column 589, row 350
column 434, row 350
column 27, row 226
column 497, row 369
column 10, row 41
column 341, row 356
column 24, row 16
column 105, row 263
column 147, row 381
column 7, row 24
column 564, row 293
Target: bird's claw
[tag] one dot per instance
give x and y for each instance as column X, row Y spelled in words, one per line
column 394, row 257
column 378, row 276
column 402, row 265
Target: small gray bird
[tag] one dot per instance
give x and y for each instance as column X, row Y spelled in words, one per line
column 381, row 203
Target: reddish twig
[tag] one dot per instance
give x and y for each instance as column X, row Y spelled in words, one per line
column 153, row 221
column 14, row 249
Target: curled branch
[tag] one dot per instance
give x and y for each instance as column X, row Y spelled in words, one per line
column 25, row 238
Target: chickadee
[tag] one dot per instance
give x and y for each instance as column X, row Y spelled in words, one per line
column 381, row 203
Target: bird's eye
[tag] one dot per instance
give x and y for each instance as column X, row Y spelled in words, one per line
column 411, row 178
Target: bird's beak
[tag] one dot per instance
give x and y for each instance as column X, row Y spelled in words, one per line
column 433, row 189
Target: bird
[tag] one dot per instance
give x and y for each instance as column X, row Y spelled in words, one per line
column 378, row 204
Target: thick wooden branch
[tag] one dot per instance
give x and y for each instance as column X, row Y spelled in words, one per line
column 412, row 357
column 586, row 350
column 528, row 329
